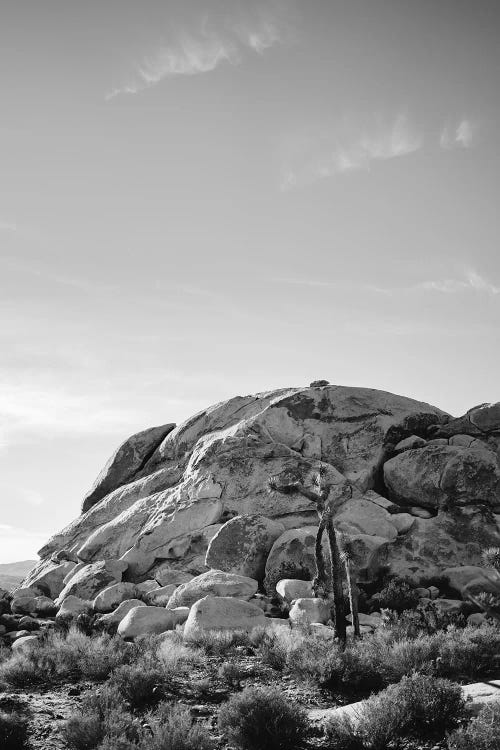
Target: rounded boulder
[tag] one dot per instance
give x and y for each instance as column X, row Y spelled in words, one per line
column 213, row 583
column 222, row 613
column 242, row 544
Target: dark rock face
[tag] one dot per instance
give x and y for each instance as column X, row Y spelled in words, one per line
column 169, row 491
column 126, row 463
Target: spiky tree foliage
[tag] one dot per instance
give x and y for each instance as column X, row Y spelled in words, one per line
column 491, row 558
column 489, row 602
column 346, row 556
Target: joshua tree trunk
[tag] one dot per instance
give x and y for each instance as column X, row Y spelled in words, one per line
column 320, row 584
column 338, row 591
column 353, row 599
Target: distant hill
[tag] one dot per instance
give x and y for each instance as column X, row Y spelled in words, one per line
column 11, row 574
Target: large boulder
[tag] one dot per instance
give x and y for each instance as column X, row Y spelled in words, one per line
column 215, row 583
column 91, row 579
column 289, row 589
column 444, row 476
column 292, row 556
column 448, row 540
column 49, row 576
column 480, row 421
column 109, row 598
column 128, row 460
column 23, row 600
column 171, row 495
column 242, row 544
column 161, row 596
column 143, row 620
column 222, row 613
column 73, row 606
column 472, row 579
column 306, row 611
column 115, row 617
column 151, row 505
column 361, row 516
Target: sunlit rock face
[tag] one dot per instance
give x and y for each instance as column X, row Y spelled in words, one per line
column 169, row 491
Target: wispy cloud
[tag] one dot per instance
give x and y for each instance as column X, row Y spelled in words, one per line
column 203, row 50
column 471, row 281
column 347, row 148
column 462, row 134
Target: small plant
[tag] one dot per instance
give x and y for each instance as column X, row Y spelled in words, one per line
column 141, row 684
column 263, row 719
column 172, row 728
column 396, row 595
column 231, row 673
column 219, row 642
column 83, row 732
column 482, row 733
column 13, row 731
column 102, row 719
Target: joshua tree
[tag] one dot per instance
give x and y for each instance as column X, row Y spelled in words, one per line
column 322, row 584
column 488, row 602
column 346, row 555
column 491, row 559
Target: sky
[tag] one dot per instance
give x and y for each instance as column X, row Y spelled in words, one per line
column 207, row 198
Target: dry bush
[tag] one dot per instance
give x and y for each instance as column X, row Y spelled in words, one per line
column 70, row 655
column 141, row 684
column 13, row 731
column 102, row 715
column 482, row 733
column 177, row 658
column 263, row 719
column 219, row 642
column 419, row 706
column 397, row 595
column 172, row 728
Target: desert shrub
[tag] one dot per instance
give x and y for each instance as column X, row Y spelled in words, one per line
column 273, row 651
column 482, row 733
column 219, row 642
column 83, row 732
column 397, row 595
column 172, row 728
column 13, row 731
column 70, row 655
column 102, row 716
column 263, row 719
column 418, row 706
column 141, row 684
column 384, row 657
column 177, row 658
column 468, row 652
column 231, row 673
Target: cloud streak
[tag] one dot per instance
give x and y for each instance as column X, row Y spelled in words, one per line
column 202, row 51
column 471, row 281
column 460, row 135
column 346, row 149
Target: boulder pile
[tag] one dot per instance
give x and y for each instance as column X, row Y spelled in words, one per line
column 182, row 526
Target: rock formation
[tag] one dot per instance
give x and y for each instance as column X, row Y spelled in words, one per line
column 174, row 502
